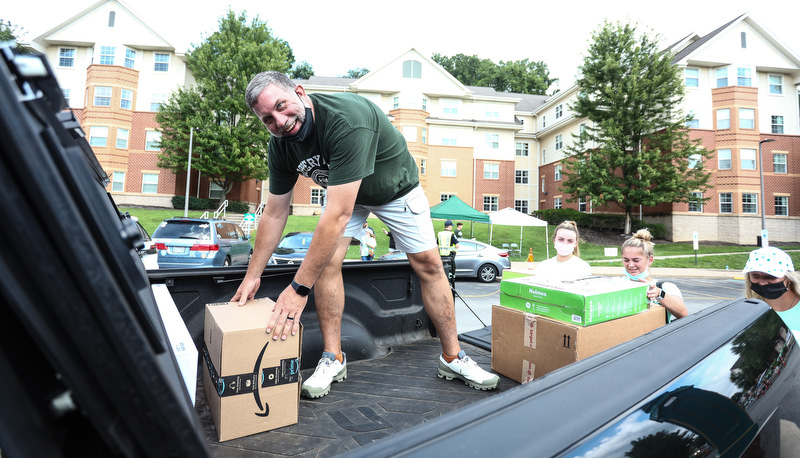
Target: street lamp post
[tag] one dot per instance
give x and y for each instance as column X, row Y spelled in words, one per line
column 189, row 173
column 764, row 238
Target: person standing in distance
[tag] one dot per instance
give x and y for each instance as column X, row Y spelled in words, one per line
column 459, row 231
column 346, row 144
column 566, row 264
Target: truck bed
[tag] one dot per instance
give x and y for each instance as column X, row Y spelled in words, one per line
column 379, row 398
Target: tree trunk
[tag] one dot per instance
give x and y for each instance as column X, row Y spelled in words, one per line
column 627, row 220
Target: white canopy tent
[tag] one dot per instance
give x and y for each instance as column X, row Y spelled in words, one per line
column 510, row 217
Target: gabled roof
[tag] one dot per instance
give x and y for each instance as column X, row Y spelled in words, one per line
column 46, row 38
column 696, row 42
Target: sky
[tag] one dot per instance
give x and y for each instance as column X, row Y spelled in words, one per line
column 335, row 37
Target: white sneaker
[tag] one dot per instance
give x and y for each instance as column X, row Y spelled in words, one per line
column 328, row 370
column 466, row 369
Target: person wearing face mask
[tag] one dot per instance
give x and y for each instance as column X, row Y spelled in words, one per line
column 347, row 145
column 567, row 264
column 769, row 275
column 637, row 256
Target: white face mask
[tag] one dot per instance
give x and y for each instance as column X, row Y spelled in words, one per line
column 564, row 249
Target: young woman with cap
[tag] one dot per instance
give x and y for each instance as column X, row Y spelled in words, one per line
column 769, row 275
column 567, row 264
column 637, row 256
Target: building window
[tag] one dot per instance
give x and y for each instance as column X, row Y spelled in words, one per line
column 316, row 196
column 743, row 77
column 102, row 96
column 744, row 39
column 694, row 159
column 152, row 141
column 410, row 133
column 559, row 111
column 777, row 124
column 214, row 191
column 557, row 172
column 775, row 84
column 724, row 118
column 779, row 163
column 126, row 100
column 749, row 203
column 161, row 62
column 722, row 77
column 521, row 177
column 450, row 107
column 66, row 57
column 522, row 149
column 691, row 77
column 122, row 138
column 412, row 69
column 395, row 103
column 582, row 204
column 724, row 159
column 521, row 206
column 493, row 141
column 111, row 16
column 118, row 181
column 424, row 104
column 66, row 93
column 130, row 58
column 491, row 171
column 444, row 197
column 748, row 158
column 449, row 168
column 149, row 183
column 782, row 205
column 559, row 141
column 725, row 202
column 107, row 55
column 449, row 141
column 423, row 166
column 156, row 100
column 556, row 203
column 492, row 114
column 543, row 190
column 693, row 123
column 544, row 155
column 696, row 202
column 544, row 122
column 490, row 203
column 98, row 136
column 747, row 118
column 424, row 136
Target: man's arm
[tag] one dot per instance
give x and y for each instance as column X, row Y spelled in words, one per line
column 270, row 230
column 327, row 236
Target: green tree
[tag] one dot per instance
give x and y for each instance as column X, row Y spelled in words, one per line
column 10, row 32
column 635, row 149
column 302, row 71
column 232, row 145
column 521, row 76
column 356, row 73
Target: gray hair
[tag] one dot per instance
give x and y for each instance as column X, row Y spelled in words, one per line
column 261, row 81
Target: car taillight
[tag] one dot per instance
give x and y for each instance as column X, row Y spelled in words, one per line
column 503, row 254
column 161, row 246
column 199, row 247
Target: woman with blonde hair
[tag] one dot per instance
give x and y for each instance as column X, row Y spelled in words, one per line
column 637, row 256
column 567, row 263
column 769, row 275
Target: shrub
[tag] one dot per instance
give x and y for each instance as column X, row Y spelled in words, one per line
column 237, row 206
column 657, row 230
column 178, row 202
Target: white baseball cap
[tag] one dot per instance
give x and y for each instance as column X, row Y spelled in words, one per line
column 769, row 260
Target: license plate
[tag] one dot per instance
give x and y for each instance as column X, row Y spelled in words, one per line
column 178, row 250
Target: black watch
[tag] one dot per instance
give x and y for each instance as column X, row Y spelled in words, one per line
column 660, row 285
column 301, row 290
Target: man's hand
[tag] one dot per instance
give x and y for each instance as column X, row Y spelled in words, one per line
column 247, row 290
column 286, row 314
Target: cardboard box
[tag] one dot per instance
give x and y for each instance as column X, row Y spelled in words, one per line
column 584, row 301
column 180, row 341
column 252, row 382
column 526, row 346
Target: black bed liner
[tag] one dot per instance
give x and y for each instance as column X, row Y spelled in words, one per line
column 379, row 398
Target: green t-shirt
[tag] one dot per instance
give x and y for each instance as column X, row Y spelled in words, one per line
column 791, row 318
column 352, row 140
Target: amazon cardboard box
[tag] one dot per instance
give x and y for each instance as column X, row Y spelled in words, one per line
column 583, row 302
column 252, row 382
column 526, row 346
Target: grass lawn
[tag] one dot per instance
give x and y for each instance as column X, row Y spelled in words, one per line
column 533, row 239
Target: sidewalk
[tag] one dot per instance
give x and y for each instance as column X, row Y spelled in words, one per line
column 657, row 272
